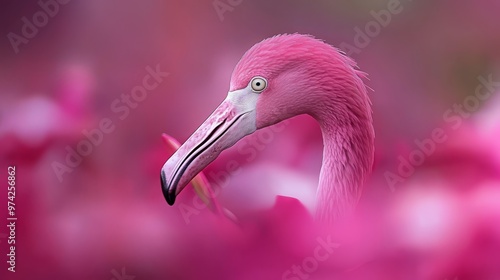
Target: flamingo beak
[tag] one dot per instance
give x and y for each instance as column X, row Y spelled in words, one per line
column 231, row 121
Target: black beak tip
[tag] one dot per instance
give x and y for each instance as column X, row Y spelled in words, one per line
column 170, row 199
column 169, row 195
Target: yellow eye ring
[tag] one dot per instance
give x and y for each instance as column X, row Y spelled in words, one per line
column 258, row 84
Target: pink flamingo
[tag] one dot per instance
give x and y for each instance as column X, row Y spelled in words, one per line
column 278, row 78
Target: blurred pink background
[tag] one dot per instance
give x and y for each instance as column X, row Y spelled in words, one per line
column 107, row 215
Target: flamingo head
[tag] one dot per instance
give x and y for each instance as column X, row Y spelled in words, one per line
column 276, row 79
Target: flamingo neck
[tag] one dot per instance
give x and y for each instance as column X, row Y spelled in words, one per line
column 348, row 139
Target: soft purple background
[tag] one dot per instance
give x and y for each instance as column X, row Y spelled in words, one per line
column 109, row 212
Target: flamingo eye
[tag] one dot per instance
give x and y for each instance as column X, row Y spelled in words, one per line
column 258, row 84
